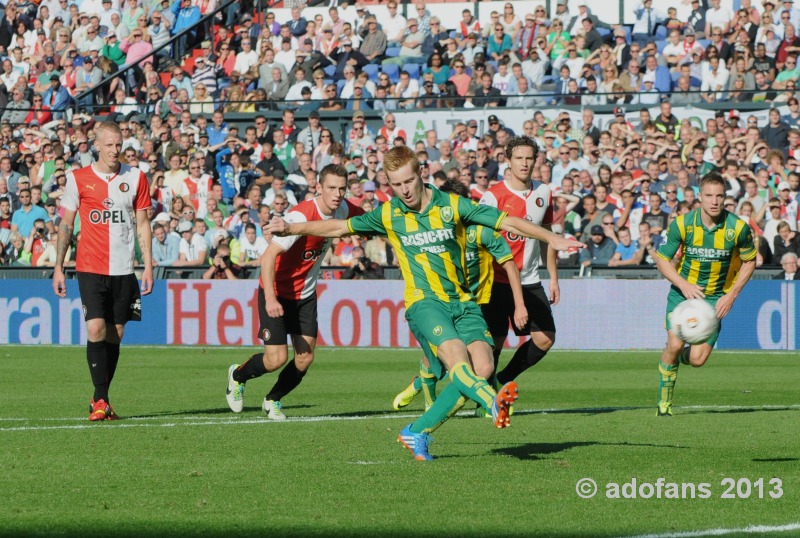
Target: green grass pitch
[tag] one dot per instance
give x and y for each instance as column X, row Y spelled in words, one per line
column 181, row 464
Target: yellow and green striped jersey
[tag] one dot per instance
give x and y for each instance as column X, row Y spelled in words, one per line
column 430, row 244
column 483, row 245
column 711, row 258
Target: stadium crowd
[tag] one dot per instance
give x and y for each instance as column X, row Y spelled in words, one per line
column 215, row 181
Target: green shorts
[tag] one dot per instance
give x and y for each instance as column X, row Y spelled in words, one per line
column 434, row 322
column 675, row 298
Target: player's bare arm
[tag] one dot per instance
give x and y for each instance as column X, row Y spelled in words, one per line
column 62, row 244
column 690, row 291
column 524, row 228
column 514, row 281
column 725, row 302
column 145, row 236
column 268, row 259
column 551, row 258
column 328, row 228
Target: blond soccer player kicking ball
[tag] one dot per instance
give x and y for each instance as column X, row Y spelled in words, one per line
column 718, row 257
column 426, row 228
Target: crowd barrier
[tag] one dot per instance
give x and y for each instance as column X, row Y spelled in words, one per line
column 620, row 314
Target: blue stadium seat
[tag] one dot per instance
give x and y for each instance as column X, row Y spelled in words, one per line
column 661, row 32
column 330, row 70
column 627, row 33
column 328, row 81
column 493, row 63
column 704, row 43
column 603, row 31
column 413, row 70
column 694, row 81
column 392, row 52
column 453, row 34
column 660, row 44
column 392, row 71
column 339, row 86
column 372, row 71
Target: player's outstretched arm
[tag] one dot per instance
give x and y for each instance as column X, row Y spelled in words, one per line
column 725, row 302
column 524, row 228
column 690, row 291
column 319, row 228
column 62, row 244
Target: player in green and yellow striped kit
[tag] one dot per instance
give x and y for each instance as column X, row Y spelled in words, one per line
column 427, row 230
column 718, row 257
column 483, row 246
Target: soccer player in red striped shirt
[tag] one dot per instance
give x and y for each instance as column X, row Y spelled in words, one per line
column 106, row 193
column 287, row 297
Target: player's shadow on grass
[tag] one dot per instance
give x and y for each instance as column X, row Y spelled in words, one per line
column 214, row 411
column 535, row 451
column 737, row 410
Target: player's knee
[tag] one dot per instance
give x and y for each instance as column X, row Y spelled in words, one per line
column 275, row 358
column 303, row 361
column 484, row 370
column 698, row 356
column 544, row 341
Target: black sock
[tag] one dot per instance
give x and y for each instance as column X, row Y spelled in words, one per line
column 112, row 353
column 97, row 357
column 288, row 380
column 528, row 354
column 254, row 367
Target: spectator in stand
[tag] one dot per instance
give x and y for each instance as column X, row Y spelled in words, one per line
column 599, row 250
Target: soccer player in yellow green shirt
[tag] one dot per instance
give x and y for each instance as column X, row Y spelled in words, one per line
column 426, row 228
column 717, row 259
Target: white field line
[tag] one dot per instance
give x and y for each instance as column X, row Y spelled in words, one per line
column 752, row 529
column 404, row 349
column 170, row 421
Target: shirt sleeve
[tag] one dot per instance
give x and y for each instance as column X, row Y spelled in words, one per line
column 142, row 193
column 473, row 213
column 747, row 247
column 70, row 200
column 496, row 245
column 287, row 241
column 369, row 223
column 668, row 250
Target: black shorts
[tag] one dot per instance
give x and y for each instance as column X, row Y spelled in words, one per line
column 114, row 298
column 299, row 319
column 499, row 311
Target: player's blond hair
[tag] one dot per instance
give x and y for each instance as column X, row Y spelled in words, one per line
column 108, row 126
column 397, row 157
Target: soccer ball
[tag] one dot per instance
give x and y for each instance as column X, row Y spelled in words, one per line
column 694, row 321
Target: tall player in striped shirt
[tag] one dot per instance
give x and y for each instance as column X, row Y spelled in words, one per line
column 426, row 228
column 522, row 197
column 287, row 297
column 717, row 259
column 107, row 194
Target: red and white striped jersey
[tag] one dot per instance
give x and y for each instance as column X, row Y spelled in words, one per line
column 297, row 269
column 106, row 204
column 535, row 206
column 197, row 190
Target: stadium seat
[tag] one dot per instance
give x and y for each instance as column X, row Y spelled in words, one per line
column 704, row 43
column 627, row 33
column 413, row 70
column 328, row 81
column 392, row 71
column 339, row 86
column 165, row 78
column 696, row 82
column 661, row 32
column 372, row 71
column 330, row 70
column 603, row 32
column 660, row 44
column 453, row 34
column 392, row 52
column 493, row 63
